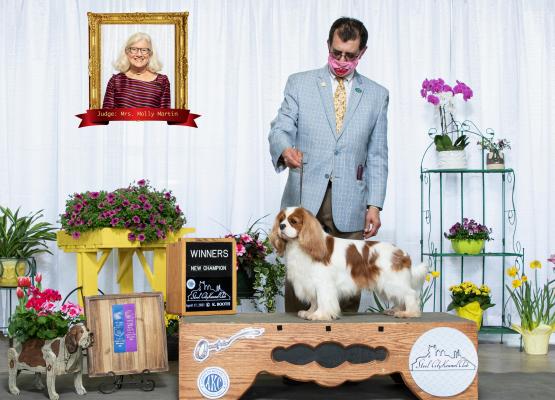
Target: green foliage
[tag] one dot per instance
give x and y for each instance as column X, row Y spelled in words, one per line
column 148, row 213
column 535, row 305
column 23, row 236
column 466, row 293
column 26, row 324
column 444, row 142
column 255, row 256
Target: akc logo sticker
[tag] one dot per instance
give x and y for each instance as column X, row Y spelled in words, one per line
column 213, row 382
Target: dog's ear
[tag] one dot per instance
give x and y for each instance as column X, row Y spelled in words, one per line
column 311, row 237
column 71, row 341
column 275, row 239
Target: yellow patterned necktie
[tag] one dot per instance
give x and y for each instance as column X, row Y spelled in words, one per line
column 340, row 103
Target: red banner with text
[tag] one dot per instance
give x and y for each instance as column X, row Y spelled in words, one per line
column 173, row 116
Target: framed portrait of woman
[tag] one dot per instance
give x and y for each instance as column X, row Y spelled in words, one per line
column 138, row 60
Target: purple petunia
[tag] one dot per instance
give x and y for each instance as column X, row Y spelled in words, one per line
column 94, row 195
column 141, row 182
column 76, row 235
column 141, row 237
column 114, row 221
column 131, row 237
column 136, row 219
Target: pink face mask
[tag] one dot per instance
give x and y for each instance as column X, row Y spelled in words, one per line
column 342, row 68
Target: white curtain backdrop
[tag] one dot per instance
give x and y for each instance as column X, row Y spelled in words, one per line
column 240, row 54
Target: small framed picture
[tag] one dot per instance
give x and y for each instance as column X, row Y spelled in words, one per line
column 138, row 60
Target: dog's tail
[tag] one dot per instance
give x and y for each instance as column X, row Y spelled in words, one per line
column 418, row 274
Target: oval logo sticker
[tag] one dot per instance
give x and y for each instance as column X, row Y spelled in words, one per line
column 213, row 382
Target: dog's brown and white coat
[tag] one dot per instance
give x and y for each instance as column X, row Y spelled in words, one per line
column 323, row 269
column 53, row 357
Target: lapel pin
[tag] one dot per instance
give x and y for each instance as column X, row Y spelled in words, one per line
column 323, row 84
column 358, row 90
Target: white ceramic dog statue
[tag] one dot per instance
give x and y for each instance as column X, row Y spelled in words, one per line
column 54, row 357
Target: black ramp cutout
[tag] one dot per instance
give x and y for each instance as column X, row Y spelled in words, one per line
column 329, row 354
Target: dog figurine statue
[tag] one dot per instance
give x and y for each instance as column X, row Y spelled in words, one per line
column 54, row 357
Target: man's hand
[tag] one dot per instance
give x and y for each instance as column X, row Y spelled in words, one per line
column 372, row 223
column 292, row 157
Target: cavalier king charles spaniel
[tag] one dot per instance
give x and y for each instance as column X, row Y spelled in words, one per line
column 324, row 269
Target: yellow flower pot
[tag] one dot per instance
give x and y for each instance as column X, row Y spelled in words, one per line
column 536, row 341
column 10, row 269
column 471, row 311
column 467, row 246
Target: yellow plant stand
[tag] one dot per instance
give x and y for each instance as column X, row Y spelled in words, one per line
column 93, row 249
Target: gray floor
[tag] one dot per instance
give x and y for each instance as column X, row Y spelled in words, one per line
column 504, row 373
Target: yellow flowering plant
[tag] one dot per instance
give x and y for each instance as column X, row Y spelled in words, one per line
column 467, row 292
column 534, row 305
column 172, row 324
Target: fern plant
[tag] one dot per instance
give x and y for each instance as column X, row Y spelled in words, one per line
column 22, row 236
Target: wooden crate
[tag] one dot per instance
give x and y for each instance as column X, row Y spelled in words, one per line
column 151, row 349
column 226, row 353
column 182, row 280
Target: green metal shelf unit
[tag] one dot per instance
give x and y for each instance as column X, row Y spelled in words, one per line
column 436, row 254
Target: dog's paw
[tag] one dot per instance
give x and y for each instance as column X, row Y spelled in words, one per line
column 303, row 314
column 407, row 314
column 15, row 391
column 390, row 311
column 318, row 316
column 55, row 396
column 80, row 391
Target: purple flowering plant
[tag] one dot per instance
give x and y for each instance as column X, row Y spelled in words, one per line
column 468, row 230
column 148, row 213
column 440, row 94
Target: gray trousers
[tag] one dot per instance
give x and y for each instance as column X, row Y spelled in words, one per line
column 292, row 304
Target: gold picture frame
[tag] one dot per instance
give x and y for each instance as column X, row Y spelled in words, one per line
column 177, row 19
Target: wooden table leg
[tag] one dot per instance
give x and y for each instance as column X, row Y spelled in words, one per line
column 125, row 270
column 87, row 274
column 159, row 267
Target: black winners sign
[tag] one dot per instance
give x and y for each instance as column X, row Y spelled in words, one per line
column 210, row 276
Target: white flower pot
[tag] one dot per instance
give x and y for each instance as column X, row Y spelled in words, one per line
column 452, row 159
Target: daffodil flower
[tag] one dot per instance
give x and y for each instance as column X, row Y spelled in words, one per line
column 435, row 274
column 512, row 271
column 517, row 283
column 535, row 264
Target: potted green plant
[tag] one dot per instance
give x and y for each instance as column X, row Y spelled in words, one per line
column 468, row 237
column 258, row 276
column 450, row 143
column 21, row 238
column 495, row 158
column 470, row 301
column 535, row 306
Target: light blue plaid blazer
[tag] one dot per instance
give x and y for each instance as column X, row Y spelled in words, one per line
column 306, row 120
